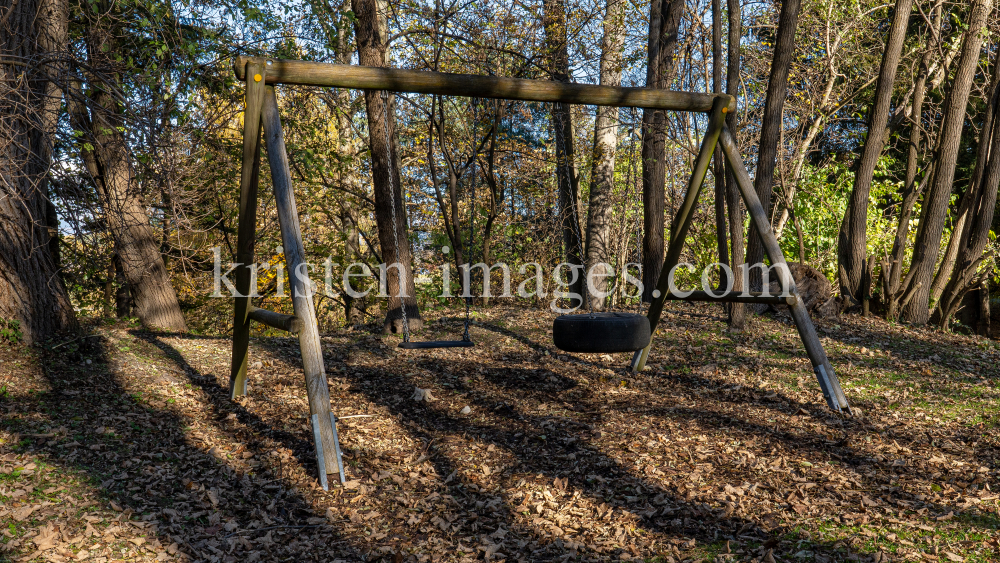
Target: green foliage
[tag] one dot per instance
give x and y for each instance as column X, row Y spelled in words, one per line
column 10, row 331
column 820, row 205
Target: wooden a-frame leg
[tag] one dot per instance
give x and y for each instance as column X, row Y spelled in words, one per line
column 682, row 223
column 246, row 227
column 828, row 381
column 325, row 434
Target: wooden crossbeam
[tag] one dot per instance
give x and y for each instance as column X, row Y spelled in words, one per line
column 733, row 297
column 307, row 73
column 280, row 321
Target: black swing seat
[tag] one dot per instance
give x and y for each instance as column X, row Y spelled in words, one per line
column 436, row 344
column 601, row 333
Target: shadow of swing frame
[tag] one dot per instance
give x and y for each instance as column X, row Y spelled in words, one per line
column 261, row 115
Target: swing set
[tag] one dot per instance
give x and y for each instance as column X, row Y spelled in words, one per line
column 593, row 332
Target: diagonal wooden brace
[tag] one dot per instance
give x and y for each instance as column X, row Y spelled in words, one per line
column 828, row 381
column 682, row 222
column 301, row 287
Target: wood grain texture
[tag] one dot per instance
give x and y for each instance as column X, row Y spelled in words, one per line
column 830, row 385
column 280, row 321
column 308, row 73
column 246, row 231
column 302, row 303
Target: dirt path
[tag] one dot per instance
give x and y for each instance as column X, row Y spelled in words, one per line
column 722, row 451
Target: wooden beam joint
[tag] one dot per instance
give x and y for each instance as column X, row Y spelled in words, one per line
column 280, row 321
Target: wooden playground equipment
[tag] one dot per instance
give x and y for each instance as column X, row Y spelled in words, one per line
column 261, row 115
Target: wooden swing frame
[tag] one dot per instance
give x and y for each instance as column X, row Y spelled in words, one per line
column 261, row 116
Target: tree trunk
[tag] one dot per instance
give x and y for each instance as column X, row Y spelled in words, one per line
column 600, row 212
column 392, row 230
column 947, row 263
column 31, row 291
column 557, row 53
column 892, row 269
column 928, row 241
column 959, row 233
column 737, row 311
column 354, row 308
column 664, row 21
column 98, row 114
column 983, row 327
column 106, row 159
column 771, row 125
column 979, row 203
column 123, row 293
column 852, row 247
column 719, row 170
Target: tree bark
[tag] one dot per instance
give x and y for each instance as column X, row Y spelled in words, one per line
column 33, row 33
column 928, row 241
column 959, row 232
column 664, row 21
column 852, row 247
column 600, row 212
column 979, row 204
column 719, row 169
column 354, row 308
column 106, row 159
column 771, row 125
column 392, row 230
column 737, row 311
column 98, row 114
column 893, row 268
column 557, row 53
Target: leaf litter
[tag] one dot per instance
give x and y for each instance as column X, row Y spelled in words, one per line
column 721, row 451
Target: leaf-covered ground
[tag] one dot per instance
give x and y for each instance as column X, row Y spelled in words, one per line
column 125, row 446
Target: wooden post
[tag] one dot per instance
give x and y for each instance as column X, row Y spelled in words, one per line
column 246, row 227
column 828, row 381
column 308, row 73
column 291, row 238
column 682, row 222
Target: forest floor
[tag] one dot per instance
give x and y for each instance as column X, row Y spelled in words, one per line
column 125, row 446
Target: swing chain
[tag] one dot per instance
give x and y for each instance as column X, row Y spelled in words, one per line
column 472, row 209
column 400, row 272
column 465, row 335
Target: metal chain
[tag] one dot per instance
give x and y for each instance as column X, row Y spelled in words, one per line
column 569, row 181
column 472, row 211
column 392, row 201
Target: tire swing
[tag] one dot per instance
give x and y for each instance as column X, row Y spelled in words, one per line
column 601, row 332
column 406, row 344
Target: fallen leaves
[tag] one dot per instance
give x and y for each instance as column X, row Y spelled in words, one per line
column 561, row 458
column 47, row 538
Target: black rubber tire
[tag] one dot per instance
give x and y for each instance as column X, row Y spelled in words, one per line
column 603, row 333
